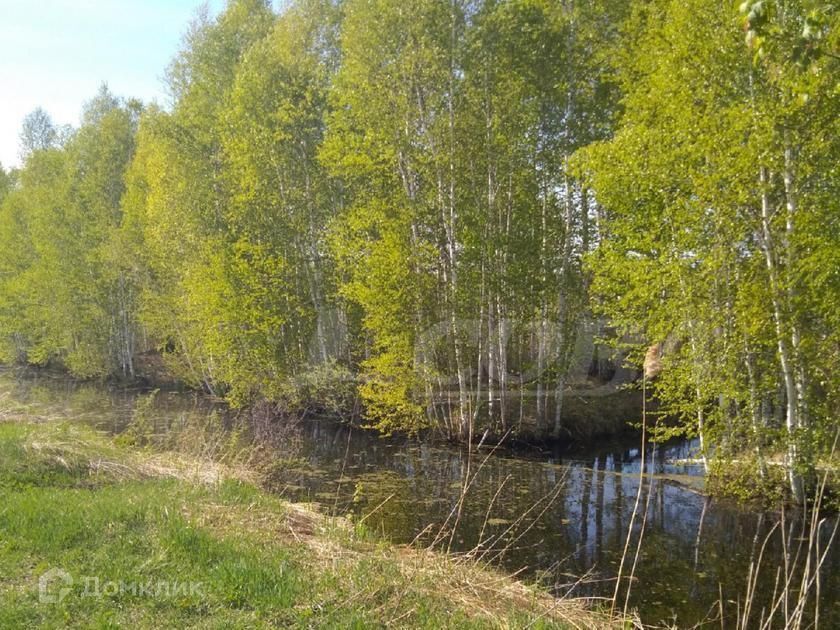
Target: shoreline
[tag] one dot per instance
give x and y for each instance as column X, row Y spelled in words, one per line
column 146, row 497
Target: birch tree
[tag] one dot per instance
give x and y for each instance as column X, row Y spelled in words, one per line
column 713, row 144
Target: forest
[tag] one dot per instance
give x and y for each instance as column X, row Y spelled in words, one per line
column 422, row 213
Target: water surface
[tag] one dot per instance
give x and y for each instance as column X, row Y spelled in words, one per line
column 560, row 517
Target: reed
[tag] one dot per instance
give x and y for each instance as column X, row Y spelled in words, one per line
column 796, row 600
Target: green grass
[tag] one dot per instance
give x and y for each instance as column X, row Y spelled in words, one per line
column 169, row 551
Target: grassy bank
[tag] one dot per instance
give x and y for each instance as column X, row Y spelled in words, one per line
column 167, row 541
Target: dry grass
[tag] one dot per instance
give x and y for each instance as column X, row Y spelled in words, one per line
column 73, row 448
column 334, row 543
column 398, row 581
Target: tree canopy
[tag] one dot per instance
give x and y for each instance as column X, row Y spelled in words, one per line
column 435, row 207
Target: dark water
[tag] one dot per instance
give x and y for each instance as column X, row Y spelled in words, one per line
column 559, row 517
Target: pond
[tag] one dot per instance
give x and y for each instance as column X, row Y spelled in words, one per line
column 560, row 517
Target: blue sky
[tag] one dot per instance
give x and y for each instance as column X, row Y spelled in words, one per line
column 56, row 53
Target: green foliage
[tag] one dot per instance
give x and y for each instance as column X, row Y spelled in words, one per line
column 66, row 296
column 142, row 427
column 748, row 481
column 334, row 185
column 451, row 126
column 238, row 302
column 421, row 206
column 7, row 182
column 729, row 163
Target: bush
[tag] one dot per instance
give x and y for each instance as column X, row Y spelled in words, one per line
column 747, row 479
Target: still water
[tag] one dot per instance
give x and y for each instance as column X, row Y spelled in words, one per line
column 560, row 517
